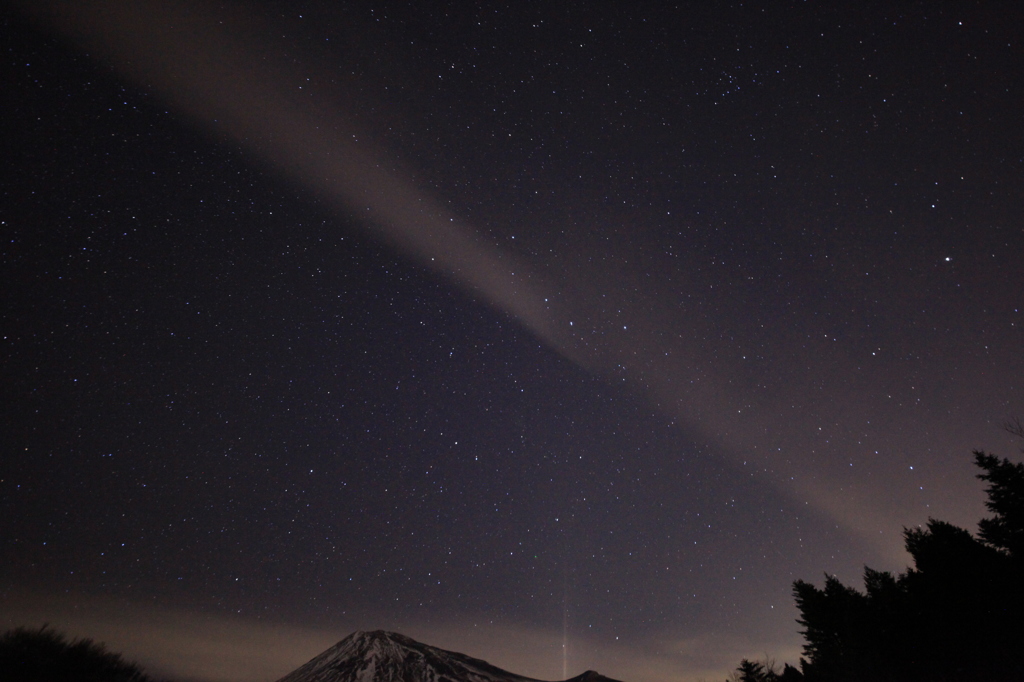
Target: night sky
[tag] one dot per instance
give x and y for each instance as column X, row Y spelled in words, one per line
column 563, row 334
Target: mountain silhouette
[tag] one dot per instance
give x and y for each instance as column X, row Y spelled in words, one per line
column 381, row 656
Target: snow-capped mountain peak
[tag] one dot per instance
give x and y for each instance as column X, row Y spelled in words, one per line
column 380, row 656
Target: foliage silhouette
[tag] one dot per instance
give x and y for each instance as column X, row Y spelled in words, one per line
column 44, row 654
column 764, row 671
column 958, row 614
column 1005, row 530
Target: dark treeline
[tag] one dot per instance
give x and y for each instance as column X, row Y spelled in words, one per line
column 958, row 614
column 45, row 655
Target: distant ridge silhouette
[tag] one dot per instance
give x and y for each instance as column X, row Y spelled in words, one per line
column 380, row 656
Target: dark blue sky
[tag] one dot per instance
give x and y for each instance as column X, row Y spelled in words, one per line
column 591, row 323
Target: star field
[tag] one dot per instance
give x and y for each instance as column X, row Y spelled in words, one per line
column 501, row 326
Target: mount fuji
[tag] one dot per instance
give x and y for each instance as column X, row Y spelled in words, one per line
column 381, row 656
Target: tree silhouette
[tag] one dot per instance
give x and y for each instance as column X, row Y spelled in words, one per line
column 1005, row 530
column 764, row 671
column 751, row 671
column 957, row 614
column 45, row 655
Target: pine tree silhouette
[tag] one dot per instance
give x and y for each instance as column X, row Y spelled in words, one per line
column 45, row 655
column 956, row 614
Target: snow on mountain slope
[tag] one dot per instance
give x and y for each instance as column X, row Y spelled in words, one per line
column 390, row 657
